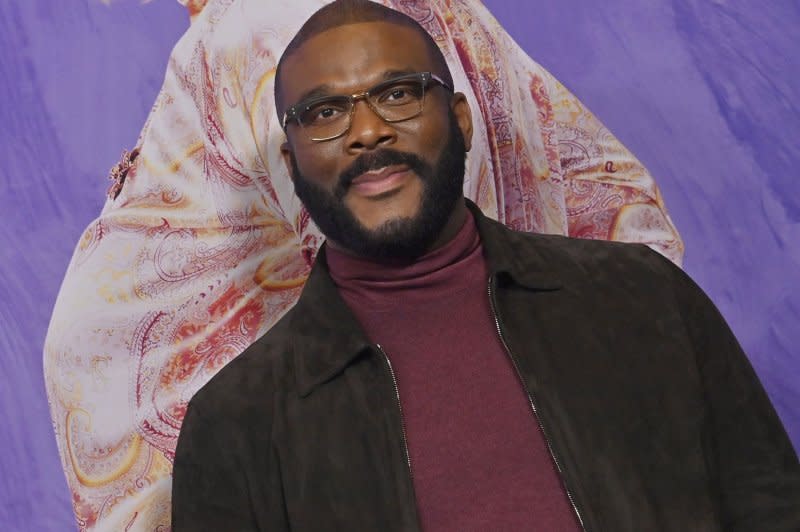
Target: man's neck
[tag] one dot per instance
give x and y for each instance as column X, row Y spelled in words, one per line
column 454, row 223
column 451, row 228
column 368, row 286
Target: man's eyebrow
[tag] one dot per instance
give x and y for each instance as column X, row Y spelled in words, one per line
column 325, row 90
column 389, row 74
column 317, row 92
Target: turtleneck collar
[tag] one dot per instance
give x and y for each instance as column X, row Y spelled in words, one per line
column 444, row 270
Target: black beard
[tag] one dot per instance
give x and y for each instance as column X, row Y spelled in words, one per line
column 402, row 239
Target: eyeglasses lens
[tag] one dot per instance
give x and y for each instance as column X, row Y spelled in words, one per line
column 393, row 101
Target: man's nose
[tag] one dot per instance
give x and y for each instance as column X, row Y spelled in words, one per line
column 368, row 131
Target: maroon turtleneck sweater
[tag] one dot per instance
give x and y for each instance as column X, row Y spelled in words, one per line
column 478, row 457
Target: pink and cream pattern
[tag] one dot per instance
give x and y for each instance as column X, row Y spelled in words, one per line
column 203, row 245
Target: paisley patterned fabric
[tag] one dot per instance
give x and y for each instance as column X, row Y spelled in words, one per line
column 202, row 244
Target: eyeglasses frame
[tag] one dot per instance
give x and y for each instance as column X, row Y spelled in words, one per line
column 427, row 78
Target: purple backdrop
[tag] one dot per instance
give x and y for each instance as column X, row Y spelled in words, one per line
column 703, row 92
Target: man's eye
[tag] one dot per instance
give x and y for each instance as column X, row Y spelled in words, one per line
column 400, row 95
column 327, row 112
column 322, row 113
column 397, row 94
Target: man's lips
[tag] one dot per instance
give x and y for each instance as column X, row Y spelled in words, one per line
column 380, row 181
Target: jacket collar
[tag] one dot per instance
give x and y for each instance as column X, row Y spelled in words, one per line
column 326, row 336
column 521, row 256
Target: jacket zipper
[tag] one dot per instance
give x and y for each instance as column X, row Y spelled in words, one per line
column 532, row 403
column 400, row 409
column 402, row 430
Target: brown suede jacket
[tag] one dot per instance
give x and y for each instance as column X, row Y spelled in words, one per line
column 654, row 416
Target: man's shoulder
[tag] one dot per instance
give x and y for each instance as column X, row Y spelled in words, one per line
column 580, row 248
column 569, row 258
column 584, row 253
column 253, row 377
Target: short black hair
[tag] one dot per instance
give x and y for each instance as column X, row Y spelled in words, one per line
column 344, row 12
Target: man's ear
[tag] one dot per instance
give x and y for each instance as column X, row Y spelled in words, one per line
column 286, row 153
column 463, row 113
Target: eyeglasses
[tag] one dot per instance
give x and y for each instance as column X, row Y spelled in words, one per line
column 394, row 100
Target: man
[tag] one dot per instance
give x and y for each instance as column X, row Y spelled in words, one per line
column 202, row 245
column 442, row 372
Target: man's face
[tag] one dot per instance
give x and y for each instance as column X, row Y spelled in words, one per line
column 381, row 190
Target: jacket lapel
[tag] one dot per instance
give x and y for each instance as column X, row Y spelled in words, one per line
column 328, row 336
column 501, row 247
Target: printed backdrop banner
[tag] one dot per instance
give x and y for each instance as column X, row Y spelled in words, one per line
column 703, row 93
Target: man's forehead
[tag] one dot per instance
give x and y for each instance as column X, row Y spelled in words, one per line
column 354, row 54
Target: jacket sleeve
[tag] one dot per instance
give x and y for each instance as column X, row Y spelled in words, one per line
column 213, row 481
column 749, row 455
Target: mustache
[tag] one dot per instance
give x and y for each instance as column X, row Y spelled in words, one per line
column 377, row 160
